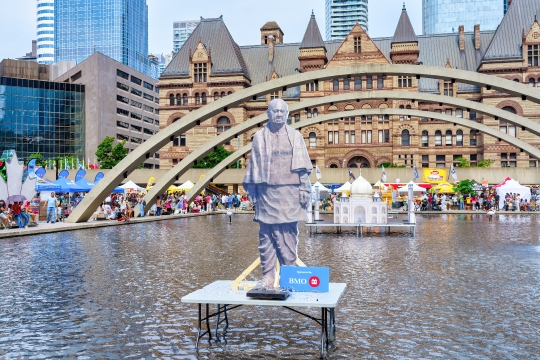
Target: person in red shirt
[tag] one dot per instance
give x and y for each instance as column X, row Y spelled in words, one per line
column 16, row 210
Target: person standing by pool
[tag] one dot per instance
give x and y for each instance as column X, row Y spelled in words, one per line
column 51, row 208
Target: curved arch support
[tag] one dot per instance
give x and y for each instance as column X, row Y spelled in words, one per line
column 121, row 171
column 213, row 173
column 184, row 165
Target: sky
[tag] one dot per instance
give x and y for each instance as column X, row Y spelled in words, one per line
column 243, row 18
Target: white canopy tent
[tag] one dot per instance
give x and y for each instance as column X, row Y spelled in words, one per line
column 514, row 187
column 187, row 185
column 346, row 186
column 416, row 188
column 130, row 185
column 323, row 190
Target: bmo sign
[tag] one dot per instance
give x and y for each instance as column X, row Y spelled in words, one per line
column 306, row 279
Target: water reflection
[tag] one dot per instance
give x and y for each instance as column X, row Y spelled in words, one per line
column 460, row 287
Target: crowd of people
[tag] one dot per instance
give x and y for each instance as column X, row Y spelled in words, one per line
column 19, row 212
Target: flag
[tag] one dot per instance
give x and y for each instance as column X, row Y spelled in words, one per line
column 453, row 172
column 318, row 172
column 383, row 176
column 415, row 172
column 351, row 175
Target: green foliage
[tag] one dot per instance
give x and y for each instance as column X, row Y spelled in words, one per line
column 388, row 165
column 213, row 159
column 464, row 187
column 39, row 159
column 485, row 163
column 109, row 155
column 462, row 162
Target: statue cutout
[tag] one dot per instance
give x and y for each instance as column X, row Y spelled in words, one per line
column 277, row 183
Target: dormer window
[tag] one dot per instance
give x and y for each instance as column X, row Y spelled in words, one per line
column 357, row 44
column 200, row 72
column 533, row 55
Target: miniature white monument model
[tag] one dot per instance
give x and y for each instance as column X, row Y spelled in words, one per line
column 360, row 208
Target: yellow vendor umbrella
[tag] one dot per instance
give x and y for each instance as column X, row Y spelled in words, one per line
column 444, row 188
column 172, row 189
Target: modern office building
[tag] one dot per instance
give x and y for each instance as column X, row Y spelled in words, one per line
column 181, row 31
column 37, row 115
column 120, row 102
column 445, row 16
column 45, row 31
column 342, row 15
column 116, row 28
column 32, row 55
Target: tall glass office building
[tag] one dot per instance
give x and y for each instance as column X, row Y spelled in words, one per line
column 116, row 28
column 342, row 15
column 181, row 32
column 42, row 116
column 45, row 31
column 445, row 16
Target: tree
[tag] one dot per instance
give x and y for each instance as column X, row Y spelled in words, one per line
column 462, row 162
column 39, row 159
column 390, row 165
column 213, row 159
column 485, row 163
column 464, row 187
column 108, row 155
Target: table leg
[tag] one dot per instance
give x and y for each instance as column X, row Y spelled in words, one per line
column 208, row 322
column 198, row 330
column 321, row 350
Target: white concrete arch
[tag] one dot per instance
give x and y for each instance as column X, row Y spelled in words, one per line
column 157, row 141
column 214, row 172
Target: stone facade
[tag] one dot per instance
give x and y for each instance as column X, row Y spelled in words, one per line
column 361, row 141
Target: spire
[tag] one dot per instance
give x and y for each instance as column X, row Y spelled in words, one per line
column 312, row 37
column 404, row 30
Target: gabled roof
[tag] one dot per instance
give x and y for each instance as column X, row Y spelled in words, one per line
column 507, row 41
column 271, row 25
column 226, row 56
column 312, row 37
column 404, row 30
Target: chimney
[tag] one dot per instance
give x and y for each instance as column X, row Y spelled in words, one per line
column 477, row 36
column 270, row 48
column 461, row 37
column 34, row 47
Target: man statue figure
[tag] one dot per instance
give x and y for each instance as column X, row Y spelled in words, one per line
column 277, row 183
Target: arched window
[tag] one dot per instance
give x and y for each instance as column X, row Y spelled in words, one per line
column 203, row 96
column 171, row 99
column 531, row 82
column 459, row 138
column 197, row 99
column 405, row 138
column 538, row 83
column 401, row 116
column 505, row 127
column 216, row 96
column 438, row 138
column 223, row 94
column 308, row 113
column 336, row 85
column 448, row 141
column 333, row 166
column 229, row 93
column 516, row 80
column 346, row 84
column 409, row 108
column 185, row 99
column 178, row 100
column 312, row 140
column 223, row 124
column 472, row 138
column 425, row 138
column 315, row 112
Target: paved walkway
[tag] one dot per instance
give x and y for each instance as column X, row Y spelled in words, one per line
column 45, row 228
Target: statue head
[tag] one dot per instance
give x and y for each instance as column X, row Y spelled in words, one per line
column 278, row 112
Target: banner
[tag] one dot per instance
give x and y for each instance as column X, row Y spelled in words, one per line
column 98, row 177
column 63, row 174
column 318, row 172
column 32, row 169
column 434, row 176
column 305, row 278
column 80, row 174
column 40, row 172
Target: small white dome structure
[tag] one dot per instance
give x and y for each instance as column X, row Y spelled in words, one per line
column 361, row 188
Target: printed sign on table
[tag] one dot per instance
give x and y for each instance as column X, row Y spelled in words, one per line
column 305, row 278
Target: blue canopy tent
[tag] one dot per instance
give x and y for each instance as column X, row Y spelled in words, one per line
column 67, row 186
column 88, row 184
column 47, row 187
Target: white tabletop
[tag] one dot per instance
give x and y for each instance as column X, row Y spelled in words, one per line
column 220, row 292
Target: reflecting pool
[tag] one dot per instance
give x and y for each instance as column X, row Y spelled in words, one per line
column 459, row 288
